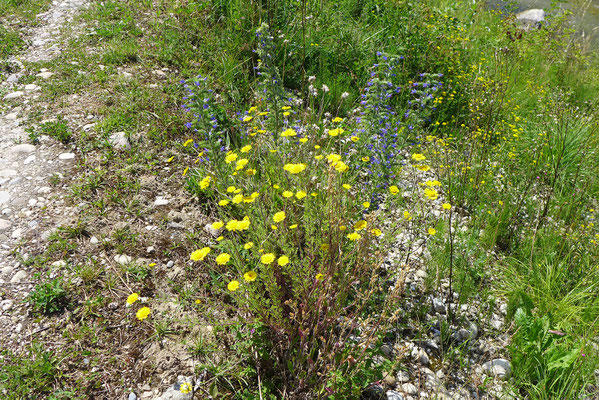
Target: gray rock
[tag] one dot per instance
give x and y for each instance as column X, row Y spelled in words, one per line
column 438, row 305
column 23, row 148
column 14, row 95
column 402, row 376
column 4, row 224
column 19, row 277
column 393, row 395
column 500, row 368
column 119, row 140
column 160, row 201
column 123, row 259
column 409, row 388
column 174, row 392
column 420, row 355
column 4, row 196
column 45, row 74
column 132, row 396
column 94, row 240
column 66, row 156
column 532, row 15
column 31, row 87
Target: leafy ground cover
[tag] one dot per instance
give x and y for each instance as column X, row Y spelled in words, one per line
column 273, row 154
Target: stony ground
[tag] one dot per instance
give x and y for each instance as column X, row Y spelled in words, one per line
column 35, row 201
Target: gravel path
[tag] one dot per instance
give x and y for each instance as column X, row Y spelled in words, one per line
column 32, row 205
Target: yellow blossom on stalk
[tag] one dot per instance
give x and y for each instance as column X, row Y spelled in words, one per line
column 300, row 194
column 366, row 204
column 220, row 238
column 317, row 147
column 230, row 158
column 423, row 168
column 366, row 159
column 170, row 159
column 244, row 223
column 241, row 164
column 233, row 286
column 313, row 194
column 294, row 226
column 283, row 260
column 273, row 227
column 407, row 216
column 336, row 132
column 247, row 118
column 354, row 138
column 360, row 225
column 418, row 157
column 342, row 227
column 288, row 133
column 232, row 225
column 393, row 189
column 252, row 109
column 286, row 113
column 217, row 224
column 132, row 298
column 354, row 236
column 278, row 217
column 185, row 171
column 250, row 276
column 431, row 194
column 187, row 142
column 238, row 199
column 376, row 232
column 231, row 189
column 319, row 277
column 285, row 108
column 287, row 194
column 245, row 149
column 294, row 168
column 446, row 206
column 223, row 203
column 142, row 313
column 267, row 258
column 275, row 186
column 200, row 254
column 204, row 183
column 432, row 231
column 346, row 186
column 222, row 259
column 319, row 157
column 333, row 158
column 430, row 183
column 337, row 119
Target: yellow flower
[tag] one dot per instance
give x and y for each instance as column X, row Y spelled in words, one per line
column 241, row 164
column 186, row 387
column 313, row 194
column 231, row 189
column 430, row 183
column 289, row 132
column 317, row 147
column 204, row 183
column 287, row 194
column 185, row 171
column 285, row 108
column 286, row 113
column 142, row 313
column 187, row 142
column 170, row 159
column 333, row 158
column 243, row 224
column 360, row 225
column 423, row 167
column 273, row 227
column 294, row 226
column 267, row 258
column 283, row 260
column 407, row 215
column 252, row 109
column 294, row 168
column 335, row 132
column 223, row 203
column 431, row 194
column 365, row 159
column 346, row 186
column 376, row 232
column 238, row 199
column 217, row 225
column 278, row 217
column 248, row 245
column 223, row 258
column 354, row 236
column 132, row 298
column 200, row 254
column 319, row 157
column 418, row 157
column 432, row 231
column 230, row 158
column 250, row 172
column 342, row 227
column 300, row 194
column 303, row 140
column 337, row 119
column 250, row 276
column 275, row 186
column 319, row 277
column 446, row 206
column 247, row 118
column 220, row 238
column 233, row 286
column 354, row 138
column 340, row 166
column 366, row 204
column 393, row 189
